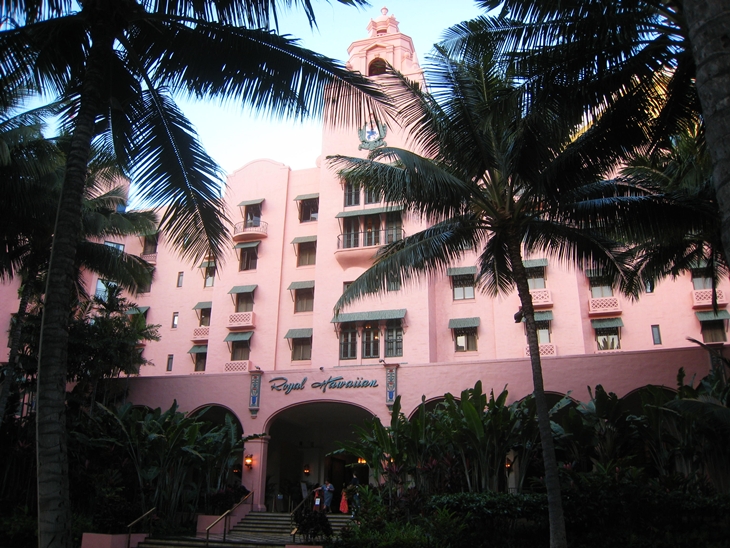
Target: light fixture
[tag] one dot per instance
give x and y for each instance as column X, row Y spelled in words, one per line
column 361, row 460
column 306, row 469
column 508, row 464
column 248, row 461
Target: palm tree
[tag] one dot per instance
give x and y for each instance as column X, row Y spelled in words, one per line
column 480, row 181
column 648, row 66
column 119, row 63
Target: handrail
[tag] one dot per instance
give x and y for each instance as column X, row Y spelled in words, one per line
column 291, row 515
column 135, row 522
column 224, row 515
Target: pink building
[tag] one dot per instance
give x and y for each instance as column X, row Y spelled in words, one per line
column 256, row 334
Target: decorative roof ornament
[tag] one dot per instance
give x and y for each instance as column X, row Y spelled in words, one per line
column 372, row 135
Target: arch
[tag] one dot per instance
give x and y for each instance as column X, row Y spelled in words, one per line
column 631, row 402
column 430, row 405
column 216, row 413
column 377, row 66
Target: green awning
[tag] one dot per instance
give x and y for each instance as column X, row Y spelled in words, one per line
column 203, row 304
column 373, row 316
column 198, row 349
column 711, row 315
column 306, row 197
column 309, row 284
column 251, row 202
column 246, row 245
column 701, row 263
column 373, row 211
column 607, row 322
column 535, row 263
column 460, row 323
column 304, row 239
column 137, row 310
column 239, row 336
column 243, row 289
column 461, row 270
column 298, row 333
column 544, row 316
column 206, row 264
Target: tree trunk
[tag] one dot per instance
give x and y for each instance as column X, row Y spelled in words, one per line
column 54, row 514
column 556, row 518
column 708, row 22
column 13, row 357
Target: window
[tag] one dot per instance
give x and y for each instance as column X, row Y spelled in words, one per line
column 115, row 245
column 465, row 339
column 180, row 279
column 371, row 234
column 656, row 335
column 205, row 317
column 102, row 289
column 393, row 339
column 393, row 227
column 377, row 67
column 393, row 284
column 239, row 350
column 200, row 360
column 175, row 319
column 352, row 194
column 307, row 253
column 600, row 287
column 372, row 196
column 348, row 341
column 304, row 300
column 351, row 233
column 308, row 210
column 301, row 349
column 170, row 357
column 145, row 288
column 244, row 302
column 370, row 341
column 209, row 275
column 607, row 338
column 150, row 245
column 345, row 286
column 536, row 277
column 700, row 280
column 253, row 215
column 649, row 286
column 713, row 331
column 543, row 332
column 463, row 286
column 249, row 259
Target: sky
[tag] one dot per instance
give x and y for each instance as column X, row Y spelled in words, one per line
column 234, row 138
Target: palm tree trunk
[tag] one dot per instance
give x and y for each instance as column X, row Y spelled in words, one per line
column 556, row 518
column 54, row 515
column 708, row 22
column 12, row 368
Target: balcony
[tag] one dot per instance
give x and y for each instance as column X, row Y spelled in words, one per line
column 241, row 320
column 541, row 298
column 200, row 333
column 149, row 257
column 604, row 306
column 702, row 298
column 247, row 231
column 546, row 350
column 239, row 366
column 359, row 248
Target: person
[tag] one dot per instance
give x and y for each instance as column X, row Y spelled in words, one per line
column 344, row 508
column 329, row 491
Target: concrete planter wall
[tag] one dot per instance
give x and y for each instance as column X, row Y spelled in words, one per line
column 98, row 540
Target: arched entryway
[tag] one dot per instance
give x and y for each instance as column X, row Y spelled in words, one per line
column 301, row 440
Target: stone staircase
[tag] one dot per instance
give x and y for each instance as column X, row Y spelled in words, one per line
column 256, row 530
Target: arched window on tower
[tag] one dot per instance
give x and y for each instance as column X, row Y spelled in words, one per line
column 376, row 67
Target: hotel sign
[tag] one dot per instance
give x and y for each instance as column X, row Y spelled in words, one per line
column 282, row 384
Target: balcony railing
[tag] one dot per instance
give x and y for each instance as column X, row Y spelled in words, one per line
column 604, row 305
column 149, row 257
column 702, row 298
column 541, row 298
column 238, row 366
column 252, row 229
column 241, row 320
column 548, row 349
column 369, row 238
column 201, row 333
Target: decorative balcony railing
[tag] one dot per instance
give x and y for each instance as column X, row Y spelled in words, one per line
column 241, row 320
column 369, row 238
column 702, row 298
column 149, row 257
column 548, row 349
column 238, row 366
column 201, row 333
column 604, row 305
column 250, row 230
column 541, row 298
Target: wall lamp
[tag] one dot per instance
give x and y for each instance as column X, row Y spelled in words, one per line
column 361, row 460
column 248, row 461
column 306, row 470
